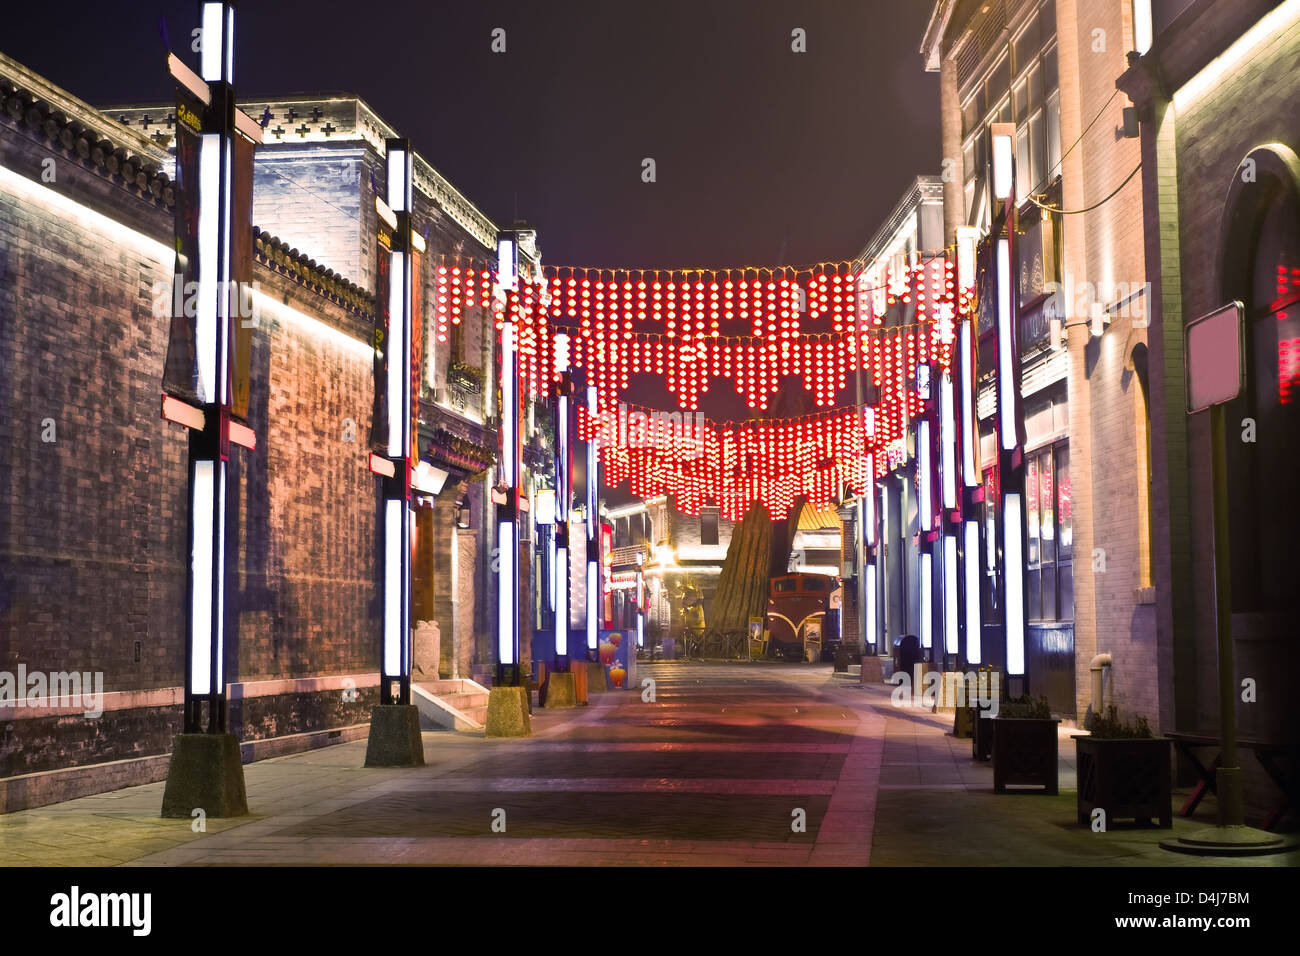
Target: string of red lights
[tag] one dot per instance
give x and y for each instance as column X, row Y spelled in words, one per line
column 731, row 464
column 690, row 327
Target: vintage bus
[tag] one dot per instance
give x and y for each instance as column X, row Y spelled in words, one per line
column 797, row 624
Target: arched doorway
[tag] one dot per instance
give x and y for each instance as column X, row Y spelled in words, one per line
column 1261, row 268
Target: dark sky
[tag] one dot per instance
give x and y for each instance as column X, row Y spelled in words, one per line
column 764, row 156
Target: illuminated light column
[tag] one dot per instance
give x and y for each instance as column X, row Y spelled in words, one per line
column 563, row 497
column 927, row 605
column 951, row 516
column 394, row 737
column 973, row 487
column 640, row 600
column 925, row 472
column 206, row 770
column 867, row 549
column 1010, row 422
column 507, row 511
column 396, row 669
column 593, row 530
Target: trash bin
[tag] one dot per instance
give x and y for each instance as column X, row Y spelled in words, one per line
column 907, row 653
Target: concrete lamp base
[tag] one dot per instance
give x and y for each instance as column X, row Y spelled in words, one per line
column 1230, row 841
column 507, row 713
column 596, row 678
column 395, row 737
column 561, row 691
column 207, row 774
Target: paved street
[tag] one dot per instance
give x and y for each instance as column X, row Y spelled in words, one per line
column 714, row 771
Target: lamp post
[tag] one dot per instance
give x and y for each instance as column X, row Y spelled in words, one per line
column 561, row 688
column 595, row 669
column 972, row 486
column 508, row 703
column 394, row 739
column 951, row 515
column 206, row 770
column 867, row 541
column 1010, row 414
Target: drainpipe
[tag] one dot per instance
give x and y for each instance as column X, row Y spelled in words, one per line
column 1096, row 665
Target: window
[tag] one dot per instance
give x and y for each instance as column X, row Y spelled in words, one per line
column 708, row 526
column 1022, row 88
column 1027, row 44
column 1049, row 559
column 1053, row 133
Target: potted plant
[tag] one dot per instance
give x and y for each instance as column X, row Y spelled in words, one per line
column 1024, row 745
column 1124, row 770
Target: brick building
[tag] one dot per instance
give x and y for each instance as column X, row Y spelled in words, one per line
column 92, row 522
column 1216, row 86
column 684, row 555
column 1049, row 68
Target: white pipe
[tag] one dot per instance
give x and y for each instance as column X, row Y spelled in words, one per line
column 1096, row 665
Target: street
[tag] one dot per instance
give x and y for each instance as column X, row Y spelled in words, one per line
column 730, row 764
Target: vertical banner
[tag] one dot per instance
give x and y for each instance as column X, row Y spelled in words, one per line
column 241, row 274
column 181, row 369
column 417, row 344
column 379, row 413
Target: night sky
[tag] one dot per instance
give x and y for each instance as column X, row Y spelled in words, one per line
column 764, row 156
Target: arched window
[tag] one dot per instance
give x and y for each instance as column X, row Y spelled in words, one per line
column 1261, row 250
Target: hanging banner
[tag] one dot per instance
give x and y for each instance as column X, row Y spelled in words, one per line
column 417, row 344
column 241, row 274
column 181, row 369
column 379, row 414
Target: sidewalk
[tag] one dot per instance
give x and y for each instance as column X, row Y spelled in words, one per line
column 936, row 807
column 712, row 771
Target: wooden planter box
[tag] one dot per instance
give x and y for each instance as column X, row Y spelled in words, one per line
column 1024, row 753
column 981, row 745
column 1129, row 779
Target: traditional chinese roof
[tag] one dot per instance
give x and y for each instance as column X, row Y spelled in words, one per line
column 85, row 134
column 438, row 446
column 325, row 118
column 277, row 255
column 823, row 518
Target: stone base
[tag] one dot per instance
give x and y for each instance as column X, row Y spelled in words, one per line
column 873, row 671
column 507, row 713
column 395, row 737
column 596, row 678
column 561, row 691
column 207, row 774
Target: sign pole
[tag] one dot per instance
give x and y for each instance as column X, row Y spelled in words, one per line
column 1213, row 379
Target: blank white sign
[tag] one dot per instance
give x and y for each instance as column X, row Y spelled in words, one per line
column 1214, row 358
